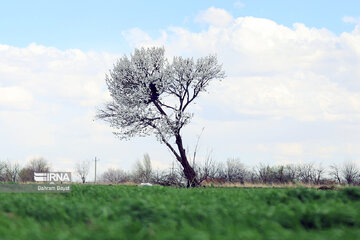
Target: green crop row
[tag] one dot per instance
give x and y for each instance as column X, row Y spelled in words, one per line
column 131, row 212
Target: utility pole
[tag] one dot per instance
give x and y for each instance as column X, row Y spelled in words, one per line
column 95, row 168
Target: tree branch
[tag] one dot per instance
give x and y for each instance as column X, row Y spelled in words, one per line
column 166, row 142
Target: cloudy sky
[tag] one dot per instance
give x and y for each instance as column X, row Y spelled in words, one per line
column 292, row 92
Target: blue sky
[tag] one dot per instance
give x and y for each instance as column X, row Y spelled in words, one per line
column 98, row 25
column 292, row 92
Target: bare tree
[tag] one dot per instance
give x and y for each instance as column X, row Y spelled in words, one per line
column 350, row 172
column 82, row 169
column 253, row 177
column 115, row 176
column 291, row 173
column 12, row 171
column 278, row 174
column 26, row 175
column 2, row 171
column 335, row 173
column 39, row 165
column 142, row 170
column 318, row 174
column 209, row 169
column 152, row 96
column 309, row 173
column 265, row 173
column 167, row 178
column 35, row 165
column 147, row 167
column 306, row 173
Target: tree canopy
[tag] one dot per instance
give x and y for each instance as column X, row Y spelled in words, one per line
column 151, row 95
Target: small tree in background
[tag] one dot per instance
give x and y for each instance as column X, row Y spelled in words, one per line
column 235, row 170
column 335, row 173
column 350, row 172
column 306, row 173
column 291, row 173
column 35, row 165
column 115, row 176
column 2, row 171
column 152, row 96
column 39, row 165
column 143, row 170
column 265, row 173
column 82, row 169
column 12, row 171
column 209, row 169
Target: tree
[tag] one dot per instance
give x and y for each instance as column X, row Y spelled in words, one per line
column 209, row 169
column 291, row 173
column 12, row 171
column 35, row 165
column 82, row 169
column 26, row 175
column 335, row 173
column 143, row 170
column 115, row 176
column 235, row 170
column 306, row 173
column 39, row 165
column 2, row 171
column 319, row 172
column 350, row 172
column 265, row 173
column 150, row 95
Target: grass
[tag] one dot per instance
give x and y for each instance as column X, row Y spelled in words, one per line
column 272, row 185
column 131, row 212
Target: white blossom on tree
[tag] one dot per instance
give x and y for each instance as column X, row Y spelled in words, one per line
column 151, row 95
column 82, row 170
column 115, row 176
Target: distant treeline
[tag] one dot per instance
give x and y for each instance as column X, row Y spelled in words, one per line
column 231, row 171
column 13, row 172
column 234, row 171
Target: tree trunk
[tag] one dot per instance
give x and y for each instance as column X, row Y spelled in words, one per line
column 188, row 170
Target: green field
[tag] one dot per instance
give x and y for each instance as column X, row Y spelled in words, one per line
column 131, row 212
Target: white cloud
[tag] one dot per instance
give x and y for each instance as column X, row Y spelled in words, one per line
column 305, row 73
column 302, row 96
column 26, row 128
column 46, row 72
column 214, row 16
column 15, row 97
column 292, row 149
column 239, row 4
column 46, row 96
column 349, row 19
column 136, row 36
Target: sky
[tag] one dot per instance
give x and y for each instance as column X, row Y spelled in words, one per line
column 291, row 95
